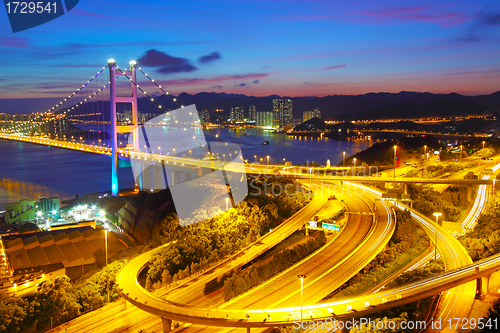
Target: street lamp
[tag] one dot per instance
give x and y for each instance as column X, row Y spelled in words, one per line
column 301, row 277
column 395, row 149
column 343, row 159
column 107, row 273
column 255, row 158
column 461, row 146
column 173, row 150
column 354, row 160
column 267, row 159
column 437, row 215
column 284, row 161
column 483, row 144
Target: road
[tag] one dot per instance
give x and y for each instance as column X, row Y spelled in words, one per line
column 197, row 284
column 457, row 302
column 329, row 268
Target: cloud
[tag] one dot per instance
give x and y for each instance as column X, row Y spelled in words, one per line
column 334, row 67
column 415, row 13
column 489, row 19
column 484, row 20
column 209, row 58
column 167, row 63
column 96, row 15
column 7, row 41
column 217, row 87
column 212, row 80
column 255, row 82
column 240, row 85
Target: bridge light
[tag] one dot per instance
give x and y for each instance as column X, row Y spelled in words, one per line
column 132, row 63
column 111, row 61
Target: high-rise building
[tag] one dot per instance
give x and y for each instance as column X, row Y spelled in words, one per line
column 317, row 113
column 204, row 116
column 282, row 112
column 252, row 113
column 237, row 114
column 264, row 119
column 306, row 115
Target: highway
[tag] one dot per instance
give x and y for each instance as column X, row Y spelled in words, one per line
column 456, row 302
column 331, row 266
column 193, row 163
column 196, row 284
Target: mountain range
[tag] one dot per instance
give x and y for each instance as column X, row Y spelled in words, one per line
column 347, row 107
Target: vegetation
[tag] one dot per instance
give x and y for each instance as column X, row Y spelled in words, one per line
column 408, row 242
column 484, row 240
column 450, row 202
column 204, row 243
column 238, row 283
column 58, row 301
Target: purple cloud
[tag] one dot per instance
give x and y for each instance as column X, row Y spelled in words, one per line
column 6, row 41
column 217, row 87
column 240, row 85
column 334, row 67
column 212, row 80
column 489, row 19
column 167, row 63
column 255, row 82
column 209, row 57
column 416, row 13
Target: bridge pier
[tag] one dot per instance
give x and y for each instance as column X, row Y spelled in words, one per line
column 203, row 171
column 405, row 188
column 186, row 176
column 176, row 177
column 485, row 281
column 167, row 325
column 469, row 193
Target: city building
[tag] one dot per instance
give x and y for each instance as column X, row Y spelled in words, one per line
column 30, row 210
column 282, row 113
column 264, row 119
column 237, row 114
column 204, row 116
column 306, row 115
column 252, row 113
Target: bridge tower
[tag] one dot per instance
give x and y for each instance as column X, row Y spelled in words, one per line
column 115, row 129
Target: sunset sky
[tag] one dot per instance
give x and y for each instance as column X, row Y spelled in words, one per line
column 262, row 47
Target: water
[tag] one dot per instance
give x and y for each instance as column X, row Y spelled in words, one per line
column 28, row 170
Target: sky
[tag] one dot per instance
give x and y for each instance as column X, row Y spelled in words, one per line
column 261, row 47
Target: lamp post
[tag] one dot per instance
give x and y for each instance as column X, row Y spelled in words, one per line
column 267, row 159
column 425, row 151
column 437, row 215
column 310, row 180
column 461, row 146
column 255, row 158
column 483, row 144
column 301, row 277
column 353, row 169
column 395, row 149
column 107, row 273
column 343, row 159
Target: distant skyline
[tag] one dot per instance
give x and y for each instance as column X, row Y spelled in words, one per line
column 262, row 47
